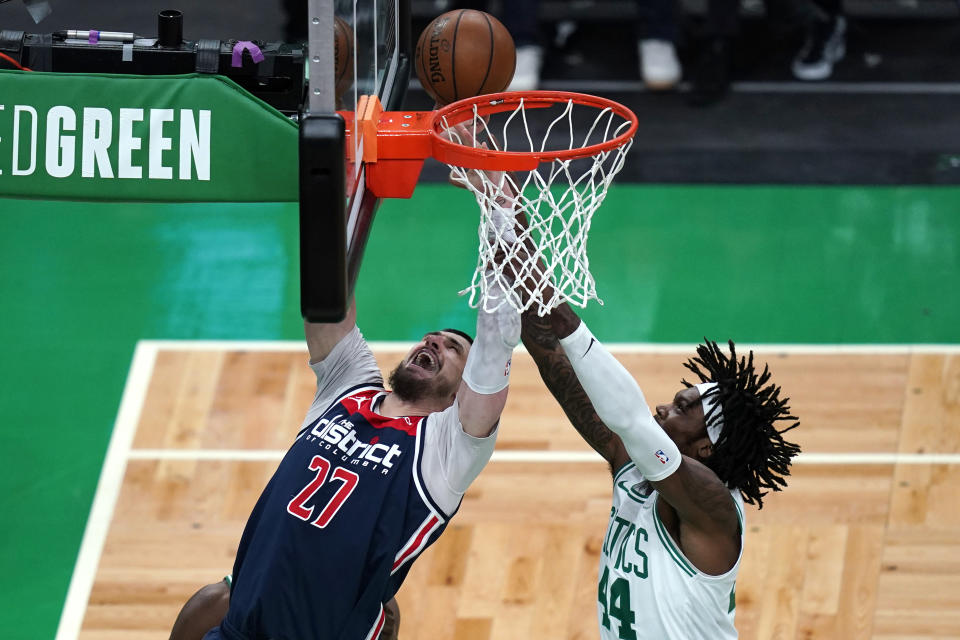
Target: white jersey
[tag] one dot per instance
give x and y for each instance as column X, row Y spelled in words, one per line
column 648, row 589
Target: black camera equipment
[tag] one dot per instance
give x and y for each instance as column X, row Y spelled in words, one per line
column 272, row 71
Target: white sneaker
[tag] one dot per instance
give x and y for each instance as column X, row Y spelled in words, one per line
column 527, row 75
column 659, row 66
column 825, row 46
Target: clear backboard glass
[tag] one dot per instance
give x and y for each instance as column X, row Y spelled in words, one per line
column 336, row 210
column 375, row 27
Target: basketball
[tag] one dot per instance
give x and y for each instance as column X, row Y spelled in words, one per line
column 464, row 53
column 342, row 56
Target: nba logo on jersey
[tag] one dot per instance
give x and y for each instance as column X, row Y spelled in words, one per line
column 661, row 456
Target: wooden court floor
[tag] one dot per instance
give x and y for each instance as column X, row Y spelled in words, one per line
column 864, row 543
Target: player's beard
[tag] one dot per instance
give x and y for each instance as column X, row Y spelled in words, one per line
column 411, row 388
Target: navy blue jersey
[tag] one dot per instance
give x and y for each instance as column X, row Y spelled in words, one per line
column 340, row 522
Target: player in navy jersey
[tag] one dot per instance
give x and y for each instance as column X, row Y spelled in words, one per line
column 370, row 481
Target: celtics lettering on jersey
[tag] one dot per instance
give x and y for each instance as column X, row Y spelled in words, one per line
column 647, row 588
column 623, row 546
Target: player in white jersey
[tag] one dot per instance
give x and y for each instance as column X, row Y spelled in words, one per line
column 674, row 541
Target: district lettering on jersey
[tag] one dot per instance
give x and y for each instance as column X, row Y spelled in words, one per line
column 337, row 435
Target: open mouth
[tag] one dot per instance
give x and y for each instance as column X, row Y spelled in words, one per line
column 426, row 360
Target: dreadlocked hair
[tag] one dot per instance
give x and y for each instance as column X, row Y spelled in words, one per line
column 751, row 454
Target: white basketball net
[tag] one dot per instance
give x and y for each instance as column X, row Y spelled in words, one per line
column 558, row 200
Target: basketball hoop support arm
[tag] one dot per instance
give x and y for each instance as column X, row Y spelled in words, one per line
column 395, row 144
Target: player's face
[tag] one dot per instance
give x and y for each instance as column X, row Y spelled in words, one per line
column 439, row 354
column 684, row 422
column 436, row 363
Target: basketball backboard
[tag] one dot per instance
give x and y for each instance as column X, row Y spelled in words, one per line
column 336, row 210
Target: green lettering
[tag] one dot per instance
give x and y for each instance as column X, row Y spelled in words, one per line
column 637, row 571
column 621, row 559
column 620, row 609
column 602, row 597
column 606, row 539
column 621, row 523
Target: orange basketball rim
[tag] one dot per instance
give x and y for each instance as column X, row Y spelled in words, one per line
column 394, row 144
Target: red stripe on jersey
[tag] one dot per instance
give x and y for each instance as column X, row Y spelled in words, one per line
column 416, row 542
column 378, row 627
column 361, row 403
column 356, row 401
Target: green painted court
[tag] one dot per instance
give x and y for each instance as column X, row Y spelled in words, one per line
column 82, row 282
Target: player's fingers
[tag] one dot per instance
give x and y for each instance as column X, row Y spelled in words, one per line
column 457, row 180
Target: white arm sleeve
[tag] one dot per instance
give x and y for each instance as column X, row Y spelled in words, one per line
column 452, row 459
column 487, row 370
column 620, row 404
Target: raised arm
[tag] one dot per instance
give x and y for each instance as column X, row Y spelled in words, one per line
column 540, row 339
column 700, row 509
column 323, row 337
column 483, row 391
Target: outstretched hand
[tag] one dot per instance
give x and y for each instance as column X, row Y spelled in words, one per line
column 498, row 187
column 519, row 264
column 515, row 263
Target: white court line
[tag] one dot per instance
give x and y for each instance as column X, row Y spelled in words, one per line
column 120, row 449
column 854, row 88
column 108, row 488
column 615, row 347
column 254, row 455
column 884, row 88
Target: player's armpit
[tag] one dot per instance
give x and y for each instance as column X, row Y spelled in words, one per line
column 704, row 514
column 541, row 341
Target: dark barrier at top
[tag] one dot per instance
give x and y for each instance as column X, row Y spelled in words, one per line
column 188, row 138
